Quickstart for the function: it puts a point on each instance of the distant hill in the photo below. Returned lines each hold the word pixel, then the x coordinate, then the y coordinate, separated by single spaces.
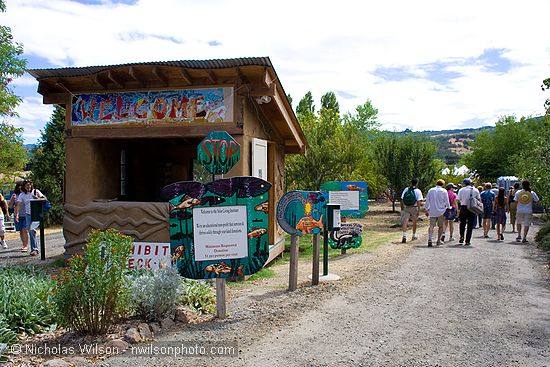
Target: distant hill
pixel 452 144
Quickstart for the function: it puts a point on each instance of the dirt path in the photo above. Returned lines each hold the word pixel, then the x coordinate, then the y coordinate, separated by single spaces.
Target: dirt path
pixel 403 305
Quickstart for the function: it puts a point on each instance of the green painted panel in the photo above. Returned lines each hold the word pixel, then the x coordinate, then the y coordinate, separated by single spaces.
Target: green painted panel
pixel 218 152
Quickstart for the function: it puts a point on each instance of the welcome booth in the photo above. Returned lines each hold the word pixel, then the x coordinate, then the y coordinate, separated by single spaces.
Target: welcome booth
pixel 132 129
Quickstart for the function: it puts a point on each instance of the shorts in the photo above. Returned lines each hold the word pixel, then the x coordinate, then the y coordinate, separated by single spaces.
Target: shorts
pixel 409 212
pixel 437 221
pixel 20 224
pixel 2 226
pixel 450 214
pixel 487 212
pixel 524 219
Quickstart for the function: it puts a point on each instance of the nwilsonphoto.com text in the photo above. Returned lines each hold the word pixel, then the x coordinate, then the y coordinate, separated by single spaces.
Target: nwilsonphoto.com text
pixel 164 349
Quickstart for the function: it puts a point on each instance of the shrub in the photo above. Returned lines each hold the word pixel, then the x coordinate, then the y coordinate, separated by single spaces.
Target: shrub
pixel 26 303
pixel 7 337
pixel 93 292
pixel 198 295
pixel 155 293
pixel 544 231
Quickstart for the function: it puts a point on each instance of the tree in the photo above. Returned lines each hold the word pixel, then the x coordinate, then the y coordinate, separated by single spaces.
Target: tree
pixel 11 66
pixel 12 153
pixel 329 102
pixel 365 118
pixel 400 158
pixel 48 164
pixel 494 153
pixel 546 86
pixel 305 105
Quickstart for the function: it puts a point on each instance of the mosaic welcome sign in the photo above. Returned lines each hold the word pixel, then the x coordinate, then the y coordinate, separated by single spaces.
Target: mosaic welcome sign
pixel 353 197
pixel 153 107
pixel 301 212
pixel 218 229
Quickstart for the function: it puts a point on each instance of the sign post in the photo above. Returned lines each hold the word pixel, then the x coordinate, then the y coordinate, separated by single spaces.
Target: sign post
pixel 37 215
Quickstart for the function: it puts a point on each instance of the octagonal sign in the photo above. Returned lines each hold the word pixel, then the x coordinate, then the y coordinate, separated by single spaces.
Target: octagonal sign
pixel 218 152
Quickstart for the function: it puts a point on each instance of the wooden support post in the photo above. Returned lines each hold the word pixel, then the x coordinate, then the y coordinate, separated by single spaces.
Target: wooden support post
pixel 316 250
pixel 221 309
pixel 293 273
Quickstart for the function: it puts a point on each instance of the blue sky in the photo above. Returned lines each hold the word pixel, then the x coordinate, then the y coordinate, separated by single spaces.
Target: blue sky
pixel 424 65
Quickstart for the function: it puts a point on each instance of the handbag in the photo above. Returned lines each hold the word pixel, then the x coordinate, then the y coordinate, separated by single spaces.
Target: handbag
pixel 474 205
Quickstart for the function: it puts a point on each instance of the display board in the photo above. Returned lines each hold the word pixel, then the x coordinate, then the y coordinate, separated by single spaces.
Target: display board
pixel 353 197
pixel 301 212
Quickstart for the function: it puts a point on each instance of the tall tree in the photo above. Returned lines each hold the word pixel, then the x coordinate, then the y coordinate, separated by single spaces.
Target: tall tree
pixel 546 86
pixel 12 153
pixel 401 158
pixel 329 102
pixel 11 66
pixel 306 105
pixel 494 153
pixel 365 117
pixel 48 164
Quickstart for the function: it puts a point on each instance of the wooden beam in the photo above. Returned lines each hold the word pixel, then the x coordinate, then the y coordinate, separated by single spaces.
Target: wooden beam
pixel 289 121
pixel 186 77
pixel 112 78
pixel 266 79
pixel 270 91
pixel 160 75
pixel 242 79
pixel 211 76
pixel 99 80
pixel 57 98
pixel 134 74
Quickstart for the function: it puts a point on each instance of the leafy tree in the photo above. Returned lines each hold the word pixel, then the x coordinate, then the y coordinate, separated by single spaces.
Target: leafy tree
pixel 11 66
pixel 48 164
pixel 494 152
pixel 329 102
pixel 534 163
pixel 12 153
pixel 402 157
pixel 306 105
pixel 546 86
pixel 365 118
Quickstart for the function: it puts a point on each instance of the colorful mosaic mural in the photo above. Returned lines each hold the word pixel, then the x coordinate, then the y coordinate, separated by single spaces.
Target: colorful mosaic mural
pixel 300 212
pixel 218 229
pixel 352 195
pixel 349 236
pixel 153 107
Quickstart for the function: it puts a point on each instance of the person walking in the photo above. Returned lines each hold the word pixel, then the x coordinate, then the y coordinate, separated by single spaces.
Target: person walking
pixel 437 203
pixel 466 216
pixel 4 212
pixel 411 201
pixel 524 216
pixel 19 221
pixel 500 207
pixel 450 214
pixel 24 205
pixel 512 204
pixel 487 198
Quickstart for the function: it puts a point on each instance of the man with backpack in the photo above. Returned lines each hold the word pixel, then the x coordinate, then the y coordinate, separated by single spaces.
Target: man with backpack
pixel 411 201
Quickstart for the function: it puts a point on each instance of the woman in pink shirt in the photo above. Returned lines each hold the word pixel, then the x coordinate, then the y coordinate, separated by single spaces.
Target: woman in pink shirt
pixel 450 214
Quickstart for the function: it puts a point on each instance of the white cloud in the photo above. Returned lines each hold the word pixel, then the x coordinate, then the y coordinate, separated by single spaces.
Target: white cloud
pixel 318 46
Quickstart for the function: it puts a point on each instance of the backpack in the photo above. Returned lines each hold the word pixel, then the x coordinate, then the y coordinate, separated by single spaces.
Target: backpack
pixel 409 198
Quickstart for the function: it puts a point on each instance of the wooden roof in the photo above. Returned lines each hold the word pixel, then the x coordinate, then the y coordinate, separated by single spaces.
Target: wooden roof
pixel 252 77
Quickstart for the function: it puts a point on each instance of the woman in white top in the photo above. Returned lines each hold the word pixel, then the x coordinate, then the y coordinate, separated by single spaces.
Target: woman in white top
pixel 20 225
pixel 24 205
pixel 524 212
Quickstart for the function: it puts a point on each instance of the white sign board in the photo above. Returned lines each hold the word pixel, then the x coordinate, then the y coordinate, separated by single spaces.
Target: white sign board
pixel 150 255
pixel 348 200
pixel 220 233
pixel 259 158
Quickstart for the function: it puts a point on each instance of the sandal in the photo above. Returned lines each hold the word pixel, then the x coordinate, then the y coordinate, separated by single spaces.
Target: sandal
pixel 24 249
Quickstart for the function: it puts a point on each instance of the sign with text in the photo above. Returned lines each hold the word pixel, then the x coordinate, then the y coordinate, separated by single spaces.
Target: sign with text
pixel 153 107
pixel 353 197
pixel 150 255
pixel 218 152
pixel 220 233
pixel 348 200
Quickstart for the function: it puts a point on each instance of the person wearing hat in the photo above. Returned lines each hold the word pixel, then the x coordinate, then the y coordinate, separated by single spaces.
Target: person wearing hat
pixel 525 199
pixel 450 214
pixel 437 203
pixel 466 216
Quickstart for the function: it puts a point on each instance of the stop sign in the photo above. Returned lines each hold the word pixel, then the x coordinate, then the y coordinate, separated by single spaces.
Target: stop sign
pixel 218 152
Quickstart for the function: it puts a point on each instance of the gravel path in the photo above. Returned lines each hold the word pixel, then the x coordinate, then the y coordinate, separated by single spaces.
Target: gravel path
pixel 404 305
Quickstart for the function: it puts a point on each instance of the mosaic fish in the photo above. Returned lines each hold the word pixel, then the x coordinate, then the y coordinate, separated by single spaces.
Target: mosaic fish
pixel 257 232
pixel 307 224
pixel 263 207
pixel 354 187
pixel 186 203
pixel 221 268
